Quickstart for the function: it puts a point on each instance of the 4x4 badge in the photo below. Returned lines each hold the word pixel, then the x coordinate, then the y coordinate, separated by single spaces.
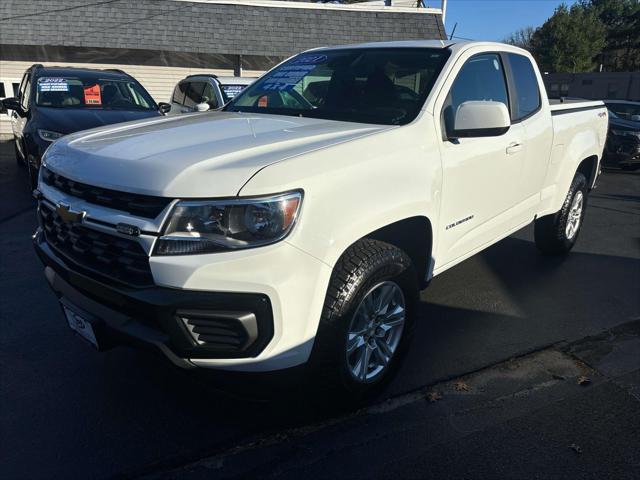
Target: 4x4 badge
pixel 67 215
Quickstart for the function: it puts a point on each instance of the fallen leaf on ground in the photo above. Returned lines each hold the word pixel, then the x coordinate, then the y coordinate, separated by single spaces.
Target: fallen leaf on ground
pixel 575 448
pixel 461 386
pixel 433 397
pixel 582 380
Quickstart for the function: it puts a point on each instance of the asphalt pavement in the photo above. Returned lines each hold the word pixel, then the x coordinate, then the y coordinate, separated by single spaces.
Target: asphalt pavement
pixel 67 411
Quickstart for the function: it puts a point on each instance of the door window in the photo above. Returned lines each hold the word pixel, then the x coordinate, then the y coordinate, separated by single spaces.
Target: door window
pixel 26 94
pixel 527 93
pixel 209 96
pixel 178 93
pixel 481 79
pixel 193 94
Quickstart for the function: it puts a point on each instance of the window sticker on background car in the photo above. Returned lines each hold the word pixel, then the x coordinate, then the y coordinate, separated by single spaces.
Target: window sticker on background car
pixel 288 76
pixel 51 84
pixel 263 101
pixel 92 95
pixel 232 90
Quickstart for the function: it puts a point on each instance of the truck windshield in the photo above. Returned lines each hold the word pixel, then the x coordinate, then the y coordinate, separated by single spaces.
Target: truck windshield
pixel 374 85
pixel 92 92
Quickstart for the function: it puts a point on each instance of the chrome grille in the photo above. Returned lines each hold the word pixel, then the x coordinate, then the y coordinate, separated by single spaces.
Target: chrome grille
pixel 116 258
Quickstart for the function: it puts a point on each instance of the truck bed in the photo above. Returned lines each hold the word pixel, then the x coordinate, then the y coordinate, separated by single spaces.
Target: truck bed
pixel 558 105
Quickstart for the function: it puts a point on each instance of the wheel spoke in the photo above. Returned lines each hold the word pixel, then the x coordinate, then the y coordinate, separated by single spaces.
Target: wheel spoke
pixel 355 342
pixel 382 346
pixel 382 357
pixel 386 294
pixel 365 357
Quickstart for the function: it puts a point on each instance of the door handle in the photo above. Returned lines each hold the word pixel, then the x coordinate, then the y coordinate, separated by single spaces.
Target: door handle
pixel 514 147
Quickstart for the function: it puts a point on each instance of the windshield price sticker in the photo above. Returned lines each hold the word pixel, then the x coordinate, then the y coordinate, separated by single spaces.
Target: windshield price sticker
pixel 92 95
pixel 312 59
pixel 232 90
pixel 287 77
pixel 50 84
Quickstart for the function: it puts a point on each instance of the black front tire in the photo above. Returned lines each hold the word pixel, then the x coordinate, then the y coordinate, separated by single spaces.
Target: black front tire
pixel 550 231
pixel 364 265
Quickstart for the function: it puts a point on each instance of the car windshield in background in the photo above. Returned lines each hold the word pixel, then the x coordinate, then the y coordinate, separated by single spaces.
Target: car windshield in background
pixel 378 85
pixel 230 91
pixel 627 111
pixel 92 92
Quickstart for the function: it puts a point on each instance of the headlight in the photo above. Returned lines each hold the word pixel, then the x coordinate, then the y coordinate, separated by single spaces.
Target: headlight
pixel 206 226
pixel 49 136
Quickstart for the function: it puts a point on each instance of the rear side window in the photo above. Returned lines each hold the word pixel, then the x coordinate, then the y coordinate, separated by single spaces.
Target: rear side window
pixel 193 94
pixel 527 92
pixel 480 79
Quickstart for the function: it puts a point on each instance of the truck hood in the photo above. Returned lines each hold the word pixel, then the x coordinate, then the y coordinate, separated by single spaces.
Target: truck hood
pixel 212 154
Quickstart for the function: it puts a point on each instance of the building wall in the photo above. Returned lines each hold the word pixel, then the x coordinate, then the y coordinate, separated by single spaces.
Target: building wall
pixel 596 86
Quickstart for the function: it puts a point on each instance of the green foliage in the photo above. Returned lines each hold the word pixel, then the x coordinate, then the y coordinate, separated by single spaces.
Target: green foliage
pixel 586 35
pixel 570 40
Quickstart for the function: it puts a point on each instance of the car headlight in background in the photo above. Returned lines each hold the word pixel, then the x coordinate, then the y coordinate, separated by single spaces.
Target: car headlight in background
pixel 206 226
pixel 49 136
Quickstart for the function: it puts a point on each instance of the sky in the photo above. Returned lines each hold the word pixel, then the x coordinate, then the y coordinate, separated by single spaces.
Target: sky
pixel 495 19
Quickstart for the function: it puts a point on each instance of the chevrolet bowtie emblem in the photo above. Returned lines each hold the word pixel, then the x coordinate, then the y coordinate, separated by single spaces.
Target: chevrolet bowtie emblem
pixel 67 215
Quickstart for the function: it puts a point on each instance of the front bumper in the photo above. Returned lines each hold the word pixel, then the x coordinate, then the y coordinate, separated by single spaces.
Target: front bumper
pixel 156 316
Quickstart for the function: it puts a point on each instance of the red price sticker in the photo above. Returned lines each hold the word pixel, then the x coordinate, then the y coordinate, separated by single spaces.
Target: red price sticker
pixel 92 95
pixel 263 101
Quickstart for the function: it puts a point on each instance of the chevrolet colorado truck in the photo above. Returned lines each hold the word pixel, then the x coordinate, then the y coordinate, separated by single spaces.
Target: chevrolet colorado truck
pixel 297 225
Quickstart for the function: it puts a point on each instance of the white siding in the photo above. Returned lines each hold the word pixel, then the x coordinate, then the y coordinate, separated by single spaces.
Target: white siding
pixel 159 81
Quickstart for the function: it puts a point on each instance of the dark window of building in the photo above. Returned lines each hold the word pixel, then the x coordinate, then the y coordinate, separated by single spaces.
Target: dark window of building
pixel 16 88
pixel 2 93
pixel 481 78
pixel 526 82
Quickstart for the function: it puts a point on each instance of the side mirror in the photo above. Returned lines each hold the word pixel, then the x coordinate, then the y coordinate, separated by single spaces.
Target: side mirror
pixel 481 119
pixel 164 108
pixel 635 118
pixel 12 103
pixel 202 107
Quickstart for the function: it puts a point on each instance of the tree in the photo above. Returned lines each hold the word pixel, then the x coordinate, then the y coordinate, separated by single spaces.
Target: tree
pixel 621 19
pixel 570 40
pixel 521 38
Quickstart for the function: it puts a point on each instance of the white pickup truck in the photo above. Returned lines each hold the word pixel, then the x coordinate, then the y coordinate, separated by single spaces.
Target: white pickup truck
pixel 298 225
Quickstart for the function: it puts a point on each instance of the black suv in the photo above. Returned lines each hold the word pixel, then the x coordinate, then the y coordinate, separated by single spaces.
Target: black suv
pixel 55 101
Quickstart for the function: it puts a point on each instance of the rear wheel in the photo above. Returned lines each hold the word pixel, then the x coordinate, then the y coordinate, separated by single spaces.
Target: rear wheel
pixel 366 323
pixel 557 234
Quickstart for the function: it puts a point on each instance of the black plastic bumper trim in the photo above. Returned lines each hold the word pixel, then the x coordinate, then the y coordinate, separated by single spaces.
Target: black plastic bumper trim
pixel 150 315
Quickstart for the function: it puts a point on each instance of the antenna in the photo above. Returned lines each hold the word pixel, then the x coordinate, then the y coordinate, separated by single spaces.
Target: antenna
pixel 453 31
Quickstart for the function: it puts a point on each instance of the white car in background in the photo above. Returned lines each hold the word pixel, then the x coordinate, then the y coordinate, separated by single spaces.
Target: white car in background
pixel 199 93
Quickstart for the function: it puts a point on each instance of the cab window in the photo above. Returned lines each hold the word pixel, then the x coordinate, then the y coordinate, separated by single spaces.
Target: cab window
pixel 527 95
pixel 480 79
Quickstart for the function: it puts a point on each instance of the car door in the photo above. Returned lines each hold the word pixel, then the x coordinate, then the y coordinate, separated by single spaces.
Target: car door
pixel 479 175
